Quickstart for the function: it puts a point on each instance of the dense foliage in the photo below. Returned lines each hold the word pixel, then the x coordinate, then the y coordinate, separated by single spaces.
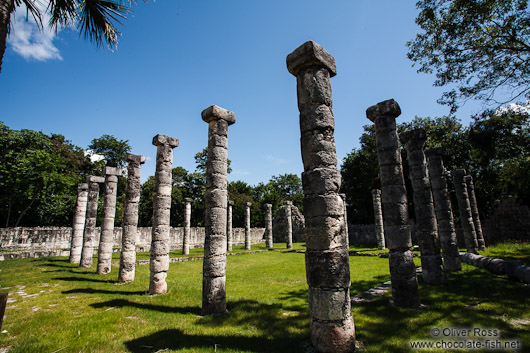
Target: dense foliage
pixel 38 177
pixel 481 47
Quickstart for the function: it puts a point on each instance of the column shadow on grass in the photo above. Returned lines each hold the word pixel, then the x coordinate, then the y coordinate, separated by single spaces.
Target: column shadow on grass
pixel 270 330
pixel 122 303
pixel 83 279
pixel 457 304
pixel 102 291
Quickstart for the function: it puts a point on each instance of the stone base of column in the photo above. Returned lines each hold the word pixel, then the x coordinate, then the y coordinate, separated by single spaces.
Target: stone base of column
pixel 127 264
pixel 214 296
pixel 157 283
pixel 451 259
pixel 333 336
pixel 432 269
pixel 403 277
pixel 75 259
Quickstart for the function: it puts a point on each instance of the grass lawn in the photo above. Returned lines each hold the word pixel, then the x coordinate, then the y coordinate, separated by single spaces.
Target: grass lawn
pixel 58 307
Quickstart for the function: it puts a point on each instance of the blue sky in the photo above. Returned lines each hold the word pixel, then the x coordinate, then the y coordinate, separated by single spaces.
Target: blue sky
pixel 176 58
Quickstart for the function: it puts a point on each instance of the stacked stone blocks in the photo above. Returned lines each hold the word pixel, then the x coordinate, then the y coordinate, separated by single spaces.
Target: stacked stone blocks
pixel 327 261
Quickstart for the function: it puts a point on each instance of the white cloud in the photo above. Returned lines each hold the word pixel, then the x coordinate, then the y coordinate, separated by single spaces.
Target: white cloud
pixel 515 108
pixel 27 40
pixel 94 157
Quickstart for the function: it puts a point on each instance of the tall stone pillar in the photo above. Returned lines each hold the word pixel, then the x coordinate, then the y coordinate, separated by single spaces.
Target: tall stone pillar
pixel 247 225
pixel 187 227
pixel 229 231
pixel 90 222
pixel 216 197
pixel 426 225
pixel 159 260
pixel 289 217
pixel 327 258
pixel 346 227
pixel 466 215
pixel 130 218
pixel 444 210
pixel 378 218
pixel 78 225
pixel 106 240
pixel 268 226
pixel 395 206
pixel 474 212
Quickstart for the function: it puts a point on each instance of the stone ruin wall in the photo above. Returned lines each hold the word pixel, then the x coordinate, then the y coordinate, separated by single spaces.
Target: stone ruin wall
pixel 48 238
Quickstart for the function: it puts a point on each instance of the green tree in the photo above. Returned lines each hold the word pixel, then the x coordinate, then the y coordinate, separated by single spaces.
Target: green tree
pixel 482 47
pixel 113 150
pixel 95 19
pixel 38 177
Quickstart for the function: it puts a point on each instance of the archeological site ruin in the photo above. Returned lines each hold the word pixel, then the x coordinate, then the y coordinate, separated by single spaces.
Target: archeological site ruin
pixel 322 226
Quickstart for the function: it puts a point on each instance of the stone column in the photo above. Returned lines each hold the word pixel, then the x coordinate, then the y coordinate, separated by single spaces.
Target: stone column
pixel 426 225
pixel 327 258
pixel 229 231
pixel 187 227
pixel 78 225
pixel 474 211
pixel 247 225
pixel 444 210
pixel 289 217
pixel 268 226
pixel 159 261
pixel 106 240
pixel 378 218
pixel 90 222
pixel 466 215
pixel 130 218
pixel 395 205
pixel 346 228
pixel 216 199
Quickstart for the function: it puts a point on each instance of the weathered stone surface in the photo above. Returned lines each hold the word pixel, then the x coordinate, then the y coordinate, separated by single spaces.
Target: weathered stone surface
pixel 474 212
pixel 280 227
pixel 215 113
pixel 329 305
pixel 159 261
pixel 510 266
pixel 330 230
pixel 229 231
pixel 107 223
pixel 247 225
pixel 310 54
pixel 90 223
pixel 403 276
pixel 466 216
pixel 268 226
pixel 330 337
pixel 346 231
pixel 216 202
pixel 394 199
pixel 327 258
pixel 95 179
pixel 444 210
pixel 325 269
pixel 78 226
pixel 187 227
pixel 320 181
pixel 378 219
pixel 386 109
pixel 289 241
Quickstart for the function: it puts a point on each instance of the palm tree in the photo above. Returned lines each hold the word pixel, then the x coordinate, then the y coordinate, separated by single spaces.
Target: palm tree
pixel 95 19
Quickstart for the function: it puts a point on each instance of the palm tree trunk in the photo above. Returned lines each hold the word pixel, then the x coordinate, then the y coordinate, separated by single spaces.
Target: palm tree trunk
pixel 6 8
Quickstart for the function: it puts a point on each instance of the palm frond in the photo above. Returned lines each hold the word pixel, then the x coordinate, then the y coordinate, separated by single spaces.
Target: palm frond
pixel 62 12
pixel 97 19
pixel 32 8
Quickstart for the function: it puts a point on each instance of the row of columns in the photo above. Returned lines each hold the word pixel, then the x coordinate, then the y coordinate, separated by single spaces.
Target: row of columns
pixel 435 225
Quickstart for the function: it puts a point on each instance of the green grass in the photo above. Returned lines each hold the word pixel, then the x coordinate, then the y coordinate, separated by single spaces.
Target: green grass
pixel 61 306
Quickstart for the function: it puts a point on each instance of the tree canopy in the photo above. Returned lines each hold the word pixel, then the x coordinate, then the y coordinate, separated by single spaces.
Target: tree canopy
pixel 113 150
pixel 482 47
